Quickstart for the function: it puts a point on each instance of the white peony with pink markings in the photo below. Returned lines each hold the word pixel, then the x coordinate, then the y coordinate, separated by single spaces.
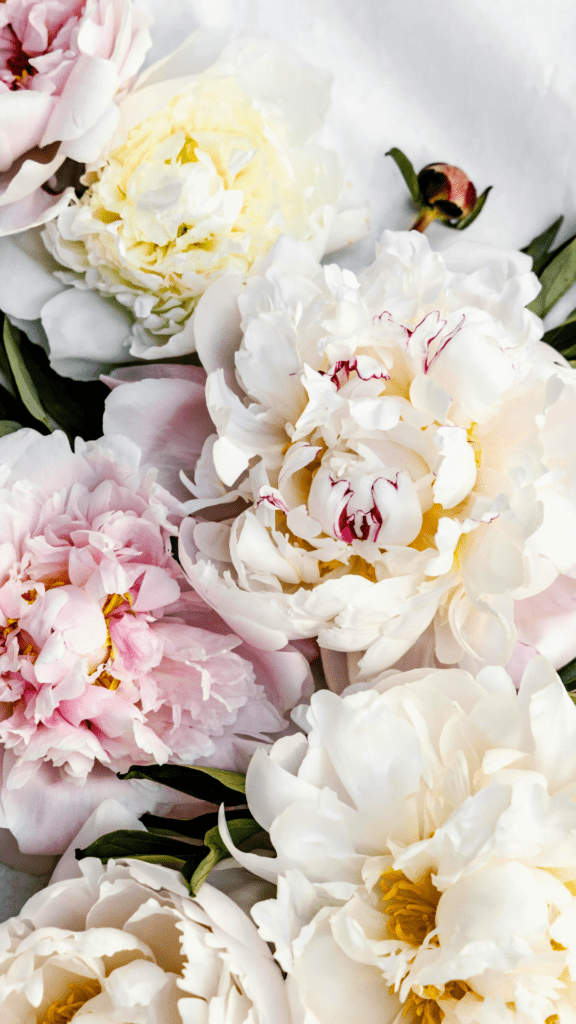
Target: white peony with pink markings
pixel 63 64
pixel 406 447
pixel 107 658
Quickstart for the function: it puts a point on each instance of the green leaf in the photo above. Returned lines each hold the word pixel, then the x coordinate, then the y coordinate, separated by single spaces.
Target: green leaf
pixel 556 279
pixel 563 337
pixel 210 784
pixel 8 427
pixel 408 173
pixel 539 246
pixel 76 406
pixel 142 845
pixel 192 828
pixel 4 364
pixel 240 830
pixel 466 221
pixel 231 780
pixel 22 378
pixel 568 674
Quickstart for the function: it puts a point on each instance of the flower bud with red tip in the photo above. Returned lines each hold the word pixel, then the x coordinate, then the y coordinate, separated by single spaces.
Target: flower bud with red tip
pixel 447 189
pixel 441 192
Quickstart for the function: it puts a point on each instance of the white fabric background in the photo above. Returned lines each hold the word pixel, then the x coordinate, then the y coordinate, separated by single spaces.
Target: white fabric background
pixel 488 85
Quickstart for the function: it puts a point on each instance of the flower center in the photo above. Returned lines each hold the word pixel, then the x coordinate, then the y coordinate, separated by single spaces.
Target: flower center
pixel 61 1011
pixel 113 602
pixel 411 909
pixel 14 59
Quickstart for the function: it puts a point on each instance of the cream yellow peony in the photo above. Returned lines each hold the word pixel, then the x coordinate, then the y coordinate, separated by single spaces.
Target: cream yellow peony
pixel 211 162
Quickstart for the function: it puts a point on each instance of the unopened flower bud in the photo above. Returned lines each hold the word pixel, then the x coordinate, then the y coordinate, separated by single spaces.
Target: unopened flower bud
pixel 441 192
pixel 447 189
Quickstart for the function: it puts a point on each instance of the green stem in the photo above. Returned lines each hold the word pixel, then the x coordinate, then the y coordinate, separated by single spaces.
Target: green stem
pixel 426 216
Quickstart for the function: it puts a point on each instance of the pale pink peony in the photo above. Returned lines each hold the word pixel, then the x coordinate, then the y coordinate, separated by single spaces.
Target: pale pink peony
pixel 63 65
pixel 107 657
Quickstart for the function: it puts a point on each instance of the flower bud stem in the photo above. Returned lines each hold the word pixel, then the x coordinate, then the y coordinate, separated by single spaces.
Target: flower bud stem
pixel 426 216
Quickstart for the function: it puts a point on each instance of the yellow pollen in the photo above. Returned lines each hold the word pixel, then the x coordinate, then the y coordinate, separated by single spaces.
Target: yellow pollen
pixel 114 601
pixel 426 1007
pixel 61 1012
pixel 410 906
pixel 411 911
pixel 105 679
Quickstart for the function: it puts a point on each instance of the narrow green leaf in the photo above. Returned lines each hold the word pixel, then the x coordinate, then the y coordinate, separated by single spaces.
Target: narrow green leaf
pixel 568 675
pixel 408 173
pixel 133 843
pixel 192 828
pixel 240 830
pixel 547 257
pixel 466 221
pixel 4 364
pixel 232 780
pixel 210 784
pixel 22 378
pixel 539 246
pixel 563 337
pixel 8 427
pixel 556 279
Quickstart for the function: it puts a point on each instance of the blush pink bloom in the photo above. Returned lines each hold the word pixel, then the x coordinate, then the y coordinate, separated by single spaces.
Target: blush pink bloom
pixel 63 66
pixel 107 657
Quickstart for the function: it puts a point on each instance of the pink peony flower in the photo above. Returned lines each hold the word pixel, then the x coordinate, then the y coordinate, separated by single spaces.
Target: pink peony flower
pixel 107 657
pixel 63 65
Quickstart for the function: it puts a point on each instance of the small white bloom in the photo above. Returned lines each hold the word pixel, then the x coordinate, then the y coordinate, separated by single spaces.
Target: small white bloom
pixel 406 447
pixel 425 851
pixel 126 943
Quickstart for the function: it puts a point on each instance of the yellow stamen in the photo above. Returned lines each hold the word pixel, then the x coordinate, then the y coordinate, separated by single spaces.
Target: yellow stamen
pixel 411 910
pixel 410 906
pixel 62 1011
pixel 114 601
pixel 426 1007
pixel 105 679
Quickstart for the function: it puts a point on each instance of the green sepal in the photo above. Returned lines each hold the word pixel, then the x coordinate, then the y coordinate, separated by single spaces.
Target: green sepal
pixel 466 221
pixel 141 845
pixel 408 173
pixel 211 784
pixel 556 278
pixel 22 379
pixel 240 829
pixel 568 675
pixel 539 247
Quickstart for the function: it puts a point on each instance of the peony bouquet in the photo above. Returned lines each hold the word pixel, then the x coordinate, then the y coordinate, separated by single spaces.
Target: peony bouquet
pixel 287 552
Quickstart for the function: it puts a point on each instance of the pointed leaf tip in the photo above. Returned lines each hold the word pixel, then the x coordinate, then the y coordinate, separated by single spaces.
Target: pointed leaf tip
pixel 408 173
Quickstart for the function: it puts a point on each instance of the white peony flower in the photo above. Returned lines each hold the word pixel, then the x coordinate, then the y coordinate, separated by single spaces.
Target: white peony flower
pixel 407 450
pixel 211 162
pixel 127 944
pixel 425 851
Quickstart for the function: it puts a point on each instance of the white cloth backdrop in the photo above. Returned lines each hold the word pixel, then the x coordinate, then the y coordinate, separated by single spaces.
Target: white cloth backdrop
pixel 488 85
